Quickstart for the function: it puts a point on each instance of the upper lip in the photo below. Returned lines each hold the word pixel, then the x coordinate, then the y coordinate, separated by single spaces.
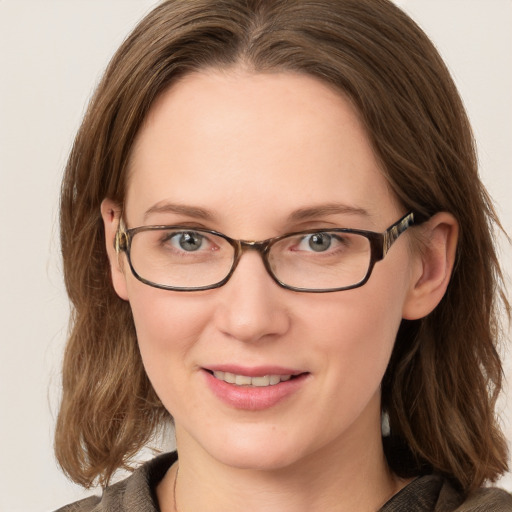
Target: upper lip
pixel 253 371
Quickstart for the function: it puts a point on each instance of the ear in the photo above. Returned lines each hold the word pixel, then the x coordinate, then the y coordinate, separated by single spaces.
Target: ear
pixel 433 264
pixel 111 214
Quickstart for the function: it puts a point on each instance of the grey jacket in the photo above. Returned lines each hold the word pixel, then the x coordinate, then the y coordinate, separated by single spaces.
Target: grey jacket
pixel 429 493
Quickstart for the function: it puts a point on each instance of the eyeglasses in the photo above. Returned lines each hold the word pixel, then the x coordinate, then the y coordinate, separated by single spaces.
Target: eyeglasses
pixel 182 258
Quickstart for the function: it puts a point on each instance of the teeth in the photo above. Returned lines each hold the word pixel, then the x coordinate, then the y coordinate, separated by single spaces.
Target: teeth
pixel 229 377
pixel 260 381
pixel 244 380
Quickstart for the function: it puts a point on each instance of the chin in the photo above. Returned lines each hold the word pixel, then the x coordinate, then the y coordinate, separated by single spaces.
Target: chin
pixel 265 451
pixel 257 459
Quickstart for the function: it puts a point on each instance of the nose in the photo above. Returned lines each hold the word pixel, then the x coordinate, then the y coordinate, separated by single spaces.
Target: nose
pixel 252 307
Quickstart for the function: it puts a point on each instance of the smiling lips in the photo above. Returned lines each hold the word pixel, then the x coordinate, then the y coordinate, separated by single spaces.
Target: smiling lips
pixel 263 389
pixel 245 380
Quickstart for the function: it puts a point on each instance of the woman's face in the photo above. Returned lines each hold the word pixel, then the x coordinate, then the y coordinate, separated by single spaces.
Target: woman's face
pixel 255 156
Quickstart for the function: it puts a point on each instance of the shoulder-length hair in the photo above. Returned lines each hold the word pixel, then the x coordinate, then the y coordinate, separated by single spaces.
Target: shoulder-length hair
pixel 445 373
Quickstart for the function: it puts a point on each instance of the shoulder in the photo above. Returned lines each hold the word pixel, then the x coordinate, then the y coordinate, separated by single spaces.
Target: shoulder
pixel 135 494
pixel 486 499
pixel 496 500
pixel 433 493
pixel 85 505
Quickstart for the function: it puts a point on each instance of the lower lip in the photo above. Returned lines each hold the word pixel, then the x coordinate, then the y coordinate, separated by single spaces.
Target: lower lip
pixel 253 398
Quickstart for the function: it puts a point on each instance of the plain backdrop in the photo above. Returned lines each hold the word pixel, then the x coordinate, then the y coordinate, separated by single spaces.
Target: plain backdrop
pixel 52 53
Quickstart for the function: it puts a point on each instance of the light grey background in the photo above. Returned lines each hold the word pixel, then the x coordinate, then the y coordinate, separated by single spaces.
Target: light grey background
pixel 52 53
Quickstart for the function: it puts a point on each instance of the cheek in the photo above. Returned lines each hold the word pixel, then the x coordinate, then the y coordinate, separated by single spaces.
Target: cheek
pixel 168 324
pixel 362 338
pixel 357 332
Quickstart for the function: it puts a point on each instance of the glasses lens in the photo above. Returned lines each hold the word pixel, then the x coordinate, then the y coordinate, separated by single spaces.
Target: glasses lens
pixel 321 260
pixel 181 258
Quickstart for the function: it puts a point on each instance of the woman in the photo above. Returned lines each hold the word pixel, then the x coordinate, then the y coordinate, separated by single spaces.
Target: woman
pixel 274 233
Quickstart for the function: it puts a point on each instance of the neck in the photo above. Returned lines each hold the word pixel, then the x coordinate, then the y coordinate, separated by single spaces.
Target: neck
pixel 351 477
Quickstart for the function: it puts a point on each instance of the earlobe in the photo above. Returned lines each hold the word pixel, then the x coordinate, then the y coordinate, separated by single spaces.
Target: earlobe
pixel 433 265
pixel 111 212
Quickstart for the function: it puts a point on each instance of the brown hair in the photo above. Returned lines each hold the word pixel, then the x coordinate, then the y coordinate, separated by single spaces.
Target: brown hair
pixel 445 372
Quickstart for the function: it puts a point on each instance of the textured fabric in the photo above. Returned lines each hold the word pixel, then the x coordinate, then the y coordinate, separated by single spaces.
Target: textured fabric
pixel 135 494
pixel 429 493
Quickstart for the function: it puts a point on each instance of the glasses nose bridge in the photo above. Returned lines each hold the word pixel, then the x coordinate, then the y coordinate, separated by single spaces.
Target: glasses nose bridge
pixel 253 245
pixel 260 247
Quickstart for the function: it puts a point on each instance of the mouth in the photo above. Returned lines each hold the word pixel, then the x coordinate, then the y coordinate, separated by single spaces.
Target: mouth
pixel 248 381
pixel 254 389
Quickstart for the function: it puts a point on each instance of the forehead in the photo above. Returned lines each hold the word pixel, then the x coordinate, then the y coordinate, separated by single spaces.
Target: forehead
pixel 254 146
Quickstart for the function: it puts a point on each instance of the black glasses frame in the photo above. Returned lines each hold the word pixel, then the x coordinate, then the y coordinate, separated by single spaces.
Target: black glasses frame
pixel 380 244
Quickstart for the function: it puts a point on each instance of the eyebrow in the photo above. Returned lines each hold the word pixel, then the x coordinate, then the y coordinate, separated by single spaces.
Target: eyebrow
pixel 301 214
pixel 181 209
pixel 313 212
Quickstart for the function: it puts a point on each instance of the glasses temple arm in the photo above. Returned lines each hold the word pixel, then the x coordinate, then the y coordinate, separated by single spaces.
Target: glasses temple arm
pixel 392 233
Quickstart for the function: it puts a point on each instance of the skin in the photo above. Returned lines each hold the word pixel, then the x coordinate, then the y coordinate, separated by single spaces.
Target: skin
pixel 251 149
